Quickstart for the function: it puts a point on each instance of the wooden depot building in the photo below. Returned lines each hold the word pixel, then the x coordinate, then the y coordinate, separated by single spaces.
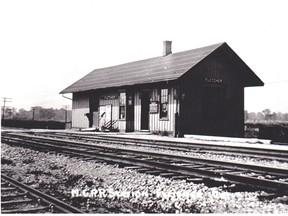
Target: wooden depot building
pixel 199 91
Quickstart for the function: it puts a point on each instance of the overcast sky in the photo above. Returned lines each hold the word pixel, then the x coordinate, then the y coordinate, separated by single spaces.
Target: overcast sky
pixel 47 45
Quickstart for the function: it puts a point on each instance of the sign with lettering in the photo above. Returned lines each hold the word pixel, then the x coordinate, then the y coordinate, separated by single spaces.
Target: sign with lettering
pixel 212 80
pixel 110 97
pixel 153 107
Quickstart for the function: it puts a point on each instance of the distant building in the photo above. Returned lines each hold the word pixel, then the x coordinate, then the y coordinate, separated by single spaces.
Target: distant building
pixel 199 91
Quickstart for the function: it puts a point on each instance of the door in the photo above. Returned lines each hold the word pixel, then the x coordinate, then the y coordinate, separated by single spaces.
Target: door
pixel 145 100
pixel 102 116
pixel 130 112
pixel 95 119
pixel 108 114
pixel 105 116
pixel 93 114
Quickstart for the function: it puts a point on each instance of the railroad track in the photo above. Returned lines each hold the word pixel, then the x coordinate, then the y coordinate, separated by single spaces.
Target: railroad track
pixel 257 153
pixel 17 197
pixel 193 169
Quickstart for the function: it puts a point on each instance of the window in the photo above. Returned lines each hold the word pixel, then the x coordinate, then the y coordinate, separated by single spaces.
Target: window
pixel 122 105
pixel 213 103
pixel 164 103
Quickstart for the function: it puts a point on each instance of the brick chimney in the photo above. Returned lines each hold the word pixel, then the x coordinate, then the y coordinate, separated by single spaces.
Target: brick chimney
pixel 167 48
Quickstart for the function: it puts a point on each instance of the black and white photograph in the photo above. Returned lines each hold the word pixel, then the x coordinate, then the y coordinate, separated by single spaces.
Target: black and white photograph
pixel 144 107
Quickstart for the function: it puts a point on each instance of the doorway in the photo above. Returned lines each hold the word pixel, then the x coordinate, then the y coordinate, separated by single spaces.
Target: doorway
pixel 93 114
pixel 145 100
pixel 105 116
pixel 130 112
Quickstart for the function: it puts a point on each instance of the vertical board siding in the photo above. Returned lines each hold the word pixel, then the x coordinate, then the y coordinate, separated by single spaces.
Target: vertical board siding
pixel 80 106
pixel 122 125
pixel 155 123
pixel 115 109
pixel 193 84
pixel 137 112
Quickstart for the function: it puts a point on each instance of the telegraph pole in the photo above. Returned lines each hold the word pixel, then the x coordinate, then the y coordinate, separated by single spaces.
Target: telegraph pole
pixel 66 111
pixel 33 113
pixel 5 100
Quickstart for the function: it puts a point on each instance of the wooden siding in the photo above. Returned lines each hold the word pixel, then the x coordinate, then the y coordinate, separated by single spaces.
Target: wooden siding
pixel 163 125
pixel 137 111
pixel 115 108
pixel 80 106
pixel 156 124
pixel 214 72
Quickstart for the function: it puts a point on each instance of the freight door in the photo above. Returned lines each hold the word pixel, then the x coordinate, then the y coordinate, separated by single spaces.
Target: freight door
pixel 102 116
pixel 108 119
pixel 145 100
pixel 105 116
pixel 95 119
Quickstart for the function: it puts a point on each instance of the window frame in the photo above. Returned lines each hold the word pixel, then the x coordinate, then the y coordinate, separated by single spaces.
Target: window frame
pixel 122 105
pixel 164 101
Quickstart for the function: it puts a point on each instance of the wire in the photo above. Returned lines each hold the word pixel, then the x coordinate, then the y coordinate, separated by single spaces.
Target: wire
pixel 277 82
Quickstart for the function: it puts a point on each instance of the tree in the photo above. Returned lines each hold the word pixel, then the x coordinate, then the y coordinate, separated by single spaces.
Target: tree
pixel 246 117
pixel 267 114
pixel 23 114
pixel 273 116
pixel 38 113
pixel 46 114
pixel 252 116
pixel 260 116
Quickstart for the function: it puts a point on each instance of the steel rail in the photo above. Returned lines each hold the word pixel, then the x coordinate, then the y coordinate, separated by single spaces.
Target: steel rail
pixel 171 157
pixel 49 200
pixel 120 156
pixel 271 154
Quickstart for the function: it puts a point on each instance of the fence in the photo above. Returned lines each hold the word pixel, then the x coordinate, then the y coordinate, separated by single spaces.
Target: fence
pixel 29 124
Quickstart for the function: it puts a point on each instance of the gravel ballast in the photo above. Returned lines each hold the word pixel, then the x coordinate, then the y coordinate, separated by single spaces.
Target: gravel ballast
pixel 212 156
pixel 118 190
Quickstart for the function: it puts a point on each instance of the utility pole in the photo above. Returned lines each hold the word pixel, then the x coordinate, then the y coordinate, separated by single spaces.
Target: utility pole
pixel 33 113
pixel 66 112
pixel 5 100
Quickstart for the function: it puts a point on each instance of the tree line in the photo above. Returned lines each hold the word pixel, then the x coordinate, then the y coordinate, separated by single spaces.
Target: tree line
pixel 38 113
pixel 265 116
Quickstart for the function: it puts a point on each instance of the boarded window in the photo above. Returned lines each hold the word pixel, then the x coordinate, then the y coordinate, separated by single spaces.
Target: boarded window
pixel 164 103
pixel 122 105
pixel 213 103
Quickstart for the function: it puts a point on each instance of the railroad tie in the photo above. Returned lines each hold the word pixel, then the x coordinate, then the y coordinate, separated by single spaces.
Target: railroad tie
pixel 155 172
pixel 7 189
pixel 15 202
pixel 26 210
pixel 132 167
pixel 167 174
pixel 195 180
pixel 180 177
pixel 11 196
pixel 143 170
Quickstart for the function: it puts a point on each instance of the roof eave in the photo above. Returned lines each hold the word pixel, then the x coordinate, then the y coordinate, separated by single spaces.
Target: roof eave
pixel 66 91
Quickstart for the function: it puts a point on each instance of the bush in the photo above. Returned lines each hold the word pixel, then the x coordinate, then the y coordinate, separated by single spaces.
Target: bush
pixel 32 124
pixel 277 132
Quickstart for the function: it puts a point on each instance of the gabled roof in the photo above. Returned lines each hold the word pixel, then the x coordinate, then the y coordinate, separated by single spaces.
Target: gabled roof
pixel 153 70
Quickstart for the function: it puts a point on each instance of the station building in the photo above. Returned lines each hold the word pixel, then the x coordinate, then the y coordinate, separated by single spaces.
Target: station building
pixel 199 91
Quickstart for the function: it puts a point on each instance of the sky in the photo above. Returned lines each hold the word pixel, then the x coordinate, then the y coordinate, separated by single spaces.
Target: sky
pixel 46 45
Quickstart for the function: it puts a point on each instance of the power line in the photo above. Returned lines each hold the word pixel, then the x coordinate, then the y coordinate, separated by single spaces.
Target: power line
pixel 276 82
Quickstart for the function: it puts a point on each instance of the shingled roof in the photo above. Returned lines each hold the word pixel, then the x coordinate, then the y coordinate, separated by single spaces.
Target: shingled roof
pixel 153 70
